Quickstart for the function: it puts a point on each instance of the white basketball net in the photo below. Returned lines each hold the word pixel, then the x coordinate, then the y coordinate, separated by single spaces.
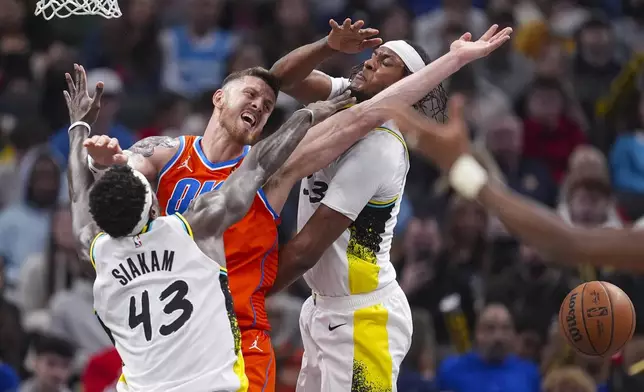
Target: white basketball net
pixel 65 8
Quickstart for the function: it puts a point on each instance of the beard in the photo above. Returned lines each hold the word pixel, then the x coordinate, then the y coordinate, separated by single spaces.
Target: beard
pixel 360 95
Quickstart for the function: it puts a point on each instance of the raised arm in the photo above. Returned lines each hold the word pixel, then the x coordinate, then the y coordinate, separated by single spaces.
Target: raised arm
pixel 83 111
pixel 531 222
pixel 212 213
pixel 296 69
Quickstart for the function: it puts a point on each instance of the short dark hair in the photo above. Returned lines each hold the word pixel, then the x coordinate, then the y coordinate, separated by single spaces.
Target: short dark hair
pixel 116 201
pixel 46 344
pixel 258 72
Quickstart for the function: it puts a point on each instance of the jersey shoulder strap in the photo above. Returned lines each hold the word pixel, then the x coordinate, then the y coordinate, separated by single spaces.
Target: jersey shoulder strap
pixel 179 223
pixel 92 248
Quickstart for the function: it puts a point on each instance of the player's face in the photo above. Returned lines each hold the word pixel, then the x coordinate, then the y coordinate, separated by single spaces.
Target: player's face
pixel 244 107
pixel 383 69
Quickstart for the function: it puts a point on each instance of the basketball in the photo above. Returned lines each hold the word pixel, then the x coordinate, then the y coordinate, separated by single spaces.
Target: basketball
pixel 597 318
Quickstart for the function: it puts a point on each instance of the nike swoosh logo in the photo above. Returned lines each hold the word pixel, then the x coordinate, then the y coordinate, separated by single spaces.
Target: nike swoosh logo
pixel 335 326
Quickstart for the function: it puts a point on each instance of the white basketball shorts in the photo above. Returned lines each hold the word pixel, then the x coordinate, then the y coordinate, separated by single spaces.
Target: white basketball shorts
pixel 354 343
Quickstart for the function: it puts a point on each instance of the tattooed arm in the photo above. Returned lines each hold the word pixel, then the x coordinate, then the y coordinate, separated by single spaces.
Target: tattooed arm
pixel 147 156
pixel 212 213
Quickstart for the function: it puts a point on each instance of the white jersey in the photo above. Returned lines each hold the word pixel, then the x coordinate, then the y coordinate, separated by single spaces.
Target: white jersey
pixel 366 185
pixel 168 310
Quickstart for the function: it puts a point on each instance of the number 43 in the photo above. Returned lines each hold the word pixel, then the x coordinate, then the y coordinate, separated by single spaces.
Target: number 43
pixel 179 302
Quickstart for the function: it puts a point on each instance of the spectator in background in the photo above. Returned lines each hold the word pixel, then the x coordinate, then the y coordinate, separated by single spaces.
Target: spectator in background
pixel 587 197
pixel 129 45
pixel 594 69
pixel 457 268
pixel 430 26
pixel 195 54
pixel 504 140
pixel 52 365
pixel 19 137
pixel 45 273
pixel 549 134
pixel 25 225
pixel 417 370
pixel 568 379
pixel 491 366
pixel 421 246
pixel 247 55
pixel 73 318
pixel 530 289
pixel 12 338
pixel 15 48
pixel 292 30
pixel 629 29
pixel 627 163
pixel 106 123
pixel 169 116
pixel 396 24
pixel 506 68
pixel 9 380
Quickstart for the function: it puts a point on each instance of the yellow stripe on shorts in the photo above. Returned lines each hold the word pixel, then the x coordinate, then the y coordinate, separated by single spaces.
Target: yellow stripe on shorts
pixel 372 364
pixel 239 368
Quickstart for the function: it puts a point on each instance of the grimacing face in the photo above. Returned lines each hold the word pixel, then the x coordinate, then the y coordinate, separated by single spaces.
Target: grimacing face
pixel 383 69
pixel 244 106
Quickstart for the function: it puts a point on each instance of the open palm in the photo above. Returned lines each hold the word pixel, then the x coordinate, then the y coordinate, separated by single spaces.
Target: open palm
pixel 490 41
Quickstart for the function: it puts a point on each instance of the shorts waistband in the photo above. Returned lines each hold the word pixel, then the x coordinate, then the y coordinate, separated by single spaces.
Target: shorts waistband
pixel 355 301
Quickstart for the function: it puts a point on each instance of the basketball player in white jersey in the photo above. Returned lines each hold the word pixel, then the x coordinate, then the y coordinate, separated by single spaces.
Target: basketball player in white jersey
pixel 161 289
pixel 356 327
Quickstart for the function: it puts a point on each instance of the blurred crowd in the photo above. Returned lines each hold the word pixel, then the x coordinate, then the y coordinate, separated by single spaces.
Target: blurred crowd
pixel 558 114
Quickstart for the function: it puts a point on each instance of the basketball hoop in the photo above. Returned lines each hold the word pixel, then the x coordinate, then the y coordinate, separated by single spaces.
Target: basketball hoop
pixel 66 8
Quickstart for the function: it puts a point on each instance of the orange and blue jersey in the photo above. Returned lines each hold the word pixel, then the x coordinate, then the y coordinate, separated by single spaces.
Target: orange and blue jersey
pixel 250 244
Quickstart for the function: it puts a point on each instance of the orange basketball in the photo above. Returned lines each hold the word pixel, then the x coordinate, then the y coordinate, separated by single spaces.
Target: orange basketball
pixel 597 318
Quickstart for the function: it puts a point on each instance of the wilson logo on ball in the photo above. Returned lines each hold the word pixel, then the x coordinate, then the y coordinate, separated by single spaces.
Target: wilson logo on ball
pixel 571 320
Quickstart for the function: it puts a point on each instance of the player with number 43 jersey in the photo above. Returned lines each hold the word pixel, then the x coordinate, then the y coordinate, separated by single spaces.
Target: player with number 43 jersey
pixel 161 287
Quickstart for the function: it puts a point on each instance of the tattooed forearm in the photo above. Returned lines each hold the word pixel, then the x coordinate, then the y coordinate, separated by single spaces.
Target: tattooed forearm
pixel 146 146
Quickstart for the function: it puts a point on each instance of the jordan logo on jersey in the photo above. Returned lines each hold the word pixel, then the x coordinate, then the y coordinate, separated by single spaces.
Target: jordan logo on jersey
pixel 255 346
pixel 185 165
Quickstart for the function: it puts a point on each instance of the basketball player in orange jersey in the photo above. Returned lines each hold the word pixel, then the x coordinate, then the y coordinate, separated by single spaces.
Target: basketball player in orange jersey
pixel 449 146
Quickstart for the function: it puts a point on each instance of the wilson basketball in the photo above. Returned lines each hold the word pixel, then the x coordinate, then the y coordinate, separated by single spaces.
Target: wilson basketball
pixel 597 318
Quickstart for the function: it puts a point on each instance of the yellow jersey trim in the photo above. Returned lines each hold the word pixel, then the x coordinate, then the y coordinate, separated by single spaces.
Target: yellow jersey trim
pixel 185 224
pixel 397 136
pixel 382 204
pixel 91 248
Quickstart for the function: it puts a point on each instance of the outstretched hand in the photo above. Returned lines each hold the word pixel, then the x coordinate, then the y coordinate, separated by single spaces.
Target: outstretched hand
pixel 441 143
pixel 469 51
pixel 325 109
pixel 352 38
pixel 82 106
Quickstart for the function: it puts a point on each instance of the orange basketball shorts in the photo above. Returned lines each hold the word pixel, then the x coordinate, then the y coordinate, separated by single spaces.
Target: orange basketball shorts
pixel 259 358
